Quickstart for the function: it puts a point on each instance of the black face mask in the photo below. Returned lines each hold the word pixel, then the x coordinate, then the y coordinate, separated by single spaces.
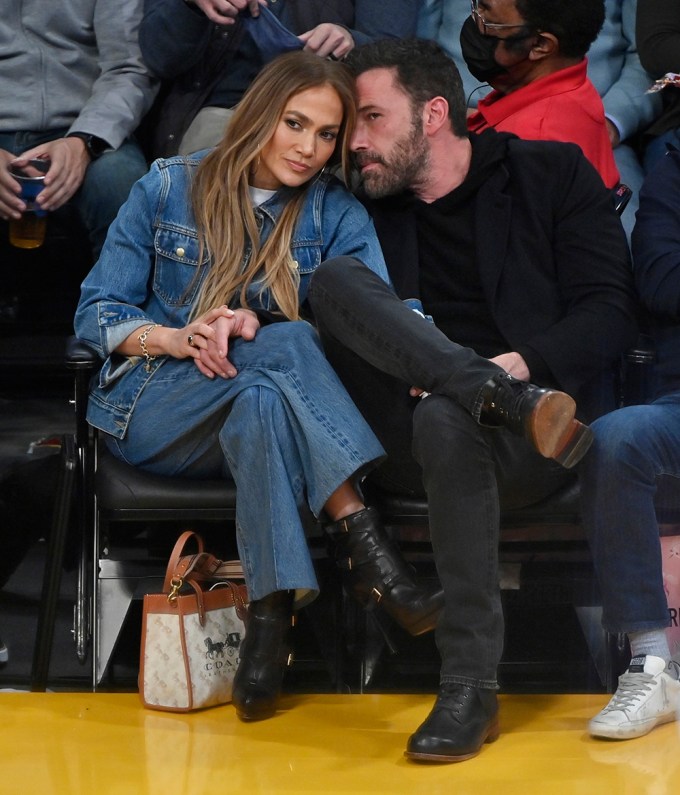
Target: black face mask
pixel 478 52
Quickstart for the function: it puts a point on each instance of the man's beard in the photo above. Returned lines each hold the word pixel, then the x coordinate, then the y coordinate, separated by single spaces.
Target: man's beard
pixel 403 169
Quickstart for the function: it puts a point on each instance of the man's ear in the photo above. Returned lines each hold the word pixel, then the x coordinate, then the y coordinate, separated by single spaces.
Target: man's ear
pixel 546 45
pixel 435 115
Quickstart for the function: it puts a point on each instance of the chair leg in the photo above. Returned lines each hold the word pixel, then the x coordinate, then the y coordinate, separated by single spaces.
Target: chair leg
pixel 53 565
pixel 114 597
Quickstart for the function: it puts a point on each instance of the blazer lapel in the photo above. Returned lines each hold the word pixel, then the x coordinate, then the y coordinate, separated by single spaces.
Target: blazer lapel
pixel 492 229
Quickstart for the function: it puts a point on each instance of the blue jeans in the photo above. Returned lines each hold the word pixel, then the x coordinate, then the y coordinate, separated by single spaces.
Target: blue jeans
pixel 284 429
pixel 106 185
pixel 435 446
pixel 632 447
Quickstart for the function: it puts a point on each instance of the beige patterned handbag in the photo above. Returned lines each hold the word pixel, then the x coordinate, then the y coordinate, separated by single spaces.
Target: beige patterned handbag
pixel 192 632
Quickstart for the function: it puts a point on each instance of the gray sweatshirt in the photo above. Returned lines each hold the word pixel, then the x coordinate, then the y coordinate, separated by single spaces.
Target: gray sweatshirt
pixel 73 64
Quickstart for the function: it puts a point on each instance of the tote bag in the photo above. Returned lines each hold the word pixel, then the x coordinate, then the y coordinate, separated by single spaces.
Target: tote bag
pixel 192 632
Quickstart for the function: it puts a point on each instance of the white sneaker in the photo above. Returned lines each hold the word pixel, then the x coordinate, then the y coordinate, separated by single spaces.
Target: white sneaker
pixel 647 696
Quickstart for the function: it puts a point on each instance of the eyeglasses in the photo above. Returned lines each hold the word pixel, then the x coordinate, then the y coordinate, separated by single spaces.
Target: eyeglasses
pixel 485 26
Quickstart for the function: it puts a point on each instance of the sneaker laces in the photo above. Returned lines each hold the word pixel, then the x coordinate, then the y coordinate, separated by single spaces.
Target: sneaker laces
pixel 632 687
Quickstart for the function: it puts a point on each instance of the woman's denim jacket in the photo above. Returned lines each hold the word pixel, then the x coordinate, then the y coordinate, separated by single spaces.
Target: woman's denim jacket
pixel 150 260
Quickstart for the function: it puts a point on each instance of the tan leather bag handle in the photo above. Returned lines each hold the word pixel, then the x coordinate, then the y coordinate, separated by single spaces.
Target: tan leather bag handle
pixel 200 566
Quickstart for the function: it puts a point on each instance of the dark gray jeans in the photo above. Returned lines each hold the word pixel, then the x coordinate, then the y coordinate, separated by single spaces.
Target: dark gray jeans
pixel 435 447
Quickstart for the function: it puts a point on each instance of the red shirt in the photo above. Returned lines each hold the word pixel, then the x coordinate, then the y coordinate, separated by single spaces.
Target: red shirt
pixel 563 106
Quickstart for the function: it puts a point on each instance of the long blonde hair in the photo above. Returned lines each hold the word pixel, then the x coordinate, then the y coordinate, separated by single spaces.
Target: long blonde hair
pixel 226 223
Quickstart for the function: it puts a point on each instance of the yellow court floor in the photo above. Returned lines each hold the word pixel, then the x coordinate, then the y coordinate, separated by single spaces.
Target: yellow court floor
pixel 101 744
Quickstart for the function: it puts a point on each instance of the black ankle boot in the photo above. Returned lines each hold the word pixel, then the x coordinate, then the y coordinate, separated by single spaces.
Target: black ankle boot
pixel 264 656
pixel 545 417
pixel 375 572
pixel 462 720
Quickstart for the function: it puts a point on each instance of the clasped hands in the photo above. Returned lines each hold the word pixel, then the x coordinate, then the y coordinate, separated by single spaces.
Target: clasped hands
pixel 206 339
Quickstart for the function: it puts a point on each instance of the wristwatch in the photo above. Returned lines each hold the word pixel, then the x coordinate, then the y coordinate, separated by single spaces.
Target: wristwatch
pixel 95 146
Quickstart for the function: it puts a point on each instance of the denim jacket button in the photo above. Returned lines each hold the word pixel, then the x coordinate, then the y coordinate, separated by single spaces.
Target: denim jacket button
pixel 296 264
pixel 180 252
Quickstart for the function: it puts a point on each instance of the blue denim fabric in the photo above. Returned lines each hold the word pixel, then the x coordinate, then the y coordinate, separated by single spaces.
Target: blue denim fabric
pixel 150 259
pixel 270 35
pixel 284 428
pixel 106 185
pixel 632 447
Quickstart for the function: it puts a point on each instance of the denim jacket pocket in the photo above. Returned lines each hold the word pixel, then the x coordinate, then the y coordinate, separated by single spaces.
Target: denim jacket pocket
pixel 177 276
pixel 306 259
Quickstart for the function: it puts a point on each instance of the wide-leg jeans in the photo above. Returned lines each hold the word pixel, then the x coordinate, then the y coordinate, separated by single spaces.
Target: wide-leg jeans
pixel 435 446
pixel 633 447
pixel 284 428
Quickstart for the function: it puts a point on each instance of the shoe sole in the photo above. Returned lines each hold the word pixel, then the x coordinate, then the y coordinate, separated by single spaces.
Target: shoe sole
pixel 554 431
pixel 631 731
pixel 252 717
pixel 491 737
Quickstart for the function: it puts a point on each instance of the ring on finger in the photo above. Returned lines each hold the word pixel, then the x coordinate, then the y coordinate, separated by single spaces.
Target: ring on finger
pixel 190 340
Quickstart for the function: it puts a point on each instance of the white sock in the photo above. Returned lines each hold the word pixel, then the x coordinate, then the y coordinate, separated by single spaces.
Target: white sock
pixel 652 641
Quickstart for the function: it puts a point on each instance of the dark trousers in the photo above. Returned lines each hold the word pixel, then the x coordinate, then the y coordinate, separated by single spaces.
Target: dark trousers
pixel 436 447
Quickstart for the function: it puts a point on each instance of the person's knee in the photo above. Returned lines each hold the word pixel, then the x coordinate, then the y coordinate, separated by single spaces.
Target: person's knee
pixel 619 439
pixel 441 429
pixel 334 272
pixel 109 179
pixel 298 340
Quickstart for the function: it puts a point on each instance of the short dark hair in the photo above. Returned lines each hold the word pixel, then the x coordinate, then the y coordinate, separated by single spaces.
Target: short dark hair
pixel 575 23
pixel 423 71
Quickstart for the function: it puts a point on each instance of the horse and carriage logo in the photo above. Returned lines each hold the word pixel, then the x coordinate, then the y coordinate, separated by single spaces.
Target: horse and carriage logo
pixel 223 650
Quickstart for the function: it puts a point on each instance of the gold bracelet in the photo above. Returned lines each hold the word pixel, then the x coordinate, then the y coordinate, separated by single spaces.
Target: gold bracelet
pixel 142 344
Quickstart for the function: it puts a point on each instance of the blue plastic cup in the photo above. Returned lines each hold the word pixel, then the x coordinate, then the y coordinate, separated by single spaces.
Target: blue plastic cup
pixel 29 230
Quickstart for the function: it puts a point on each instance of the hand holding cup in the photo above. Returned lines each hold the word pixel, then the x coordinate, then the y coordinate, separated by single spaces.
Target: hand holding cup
pixel 29 230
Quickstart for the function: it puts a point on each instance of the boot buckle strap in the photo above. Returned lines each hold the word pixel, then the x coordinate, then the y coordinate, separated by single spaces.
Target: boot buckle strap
pixel 342 525
pixel 376 594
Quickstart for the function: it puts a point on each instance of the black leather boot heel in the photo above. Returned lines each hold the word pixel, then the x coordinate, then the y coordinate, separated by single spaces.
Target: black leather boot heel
pixel 374 572
pixel 264 656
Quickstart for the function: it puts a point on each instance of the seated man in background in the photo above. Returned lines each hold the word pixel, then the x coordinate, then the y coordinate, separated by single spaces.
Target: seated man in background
pixel 533 54
pixel 208 55
pixel 614 68
pixel 514 250
pixel 633 447
pixel 73 89
pixel 658 34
